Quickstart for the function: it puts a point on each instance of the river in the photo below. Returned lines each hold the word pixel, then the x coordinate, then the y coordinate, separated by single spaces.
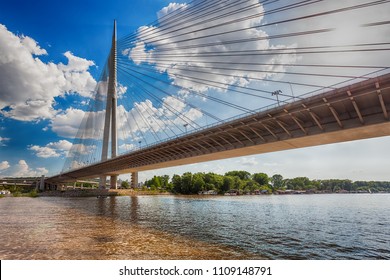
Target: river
pixel 326 226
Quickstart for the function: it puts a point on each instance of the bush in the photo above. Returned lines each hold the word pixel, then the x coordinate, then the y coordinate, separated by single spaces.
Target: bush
pixel 17 194
pixel 33 193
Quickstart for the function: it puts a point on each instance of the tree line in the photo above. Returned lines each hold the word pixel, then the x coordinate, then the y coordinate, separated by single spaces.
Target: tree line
pixel 244 182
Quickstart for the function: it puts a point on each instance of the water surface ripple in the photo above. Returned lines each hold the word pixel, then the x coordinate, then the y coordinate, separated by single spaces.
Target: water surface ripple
pixel 347 226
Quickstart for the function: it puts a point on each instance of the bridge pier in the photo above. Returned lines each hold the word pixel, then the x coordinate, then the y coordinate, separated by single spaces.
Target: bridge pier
pixel 102 182
pixel 42 183
pixel 134 180
pixel 113 182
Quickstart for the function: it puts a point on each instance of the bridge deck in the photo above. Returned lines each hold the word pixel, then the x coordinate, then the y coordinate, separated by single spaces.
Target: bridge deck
pixel 358 111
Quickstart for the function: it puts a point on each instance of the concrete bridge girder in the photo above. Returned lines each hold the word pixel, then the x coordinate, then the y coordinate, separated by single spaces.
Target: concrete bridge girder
pixel 354 112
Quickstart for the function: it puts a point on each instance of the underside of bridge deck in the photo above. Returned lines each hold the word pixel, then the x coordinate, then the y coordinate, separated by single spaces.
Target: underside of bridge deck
pixel 358 111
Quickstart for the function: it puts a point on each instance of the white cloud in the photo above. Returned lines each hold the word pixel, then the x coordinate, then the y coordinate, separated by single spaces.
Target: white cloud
pixel 23 170
pixel 138 53
pixel 75 164
pixel 32 46
pixel 62 145
pixel 44 152
pixel 248 161
pixel 81 149
pixel 120 90
pixel 171 8
pixel 4 165
pixel 52 150
pixel 78 79
pixel 199 34
pixel 2 140
pixel 31 110
pixel 30 85
pixel 172 105
pixel 67 123
pixel 126 147
pixel 143 117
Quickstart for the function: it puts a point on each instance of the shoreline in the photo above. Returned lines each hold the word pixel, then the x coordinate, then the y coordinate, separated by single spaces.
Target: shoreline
pixel 128 192
pixel 97 193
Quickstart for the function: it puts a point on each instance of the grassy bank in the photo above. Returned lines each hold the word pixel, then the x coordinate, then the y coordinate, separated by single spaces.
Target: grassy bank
pixel 32 193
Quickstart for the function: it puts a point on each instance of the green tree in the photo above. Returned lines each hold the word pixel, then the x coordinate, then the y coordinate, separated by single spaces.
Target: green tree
pixel 243 175
pixel 277 182
pixel 154 183
pixel 228 184
pixel 250 186
pixel 298 183
pixel 238 183
pixel 164 181
pixel 186 183
pixel 261 178
pixel 213 181
pixel 176 183
pixel 125 185
pixel 198 183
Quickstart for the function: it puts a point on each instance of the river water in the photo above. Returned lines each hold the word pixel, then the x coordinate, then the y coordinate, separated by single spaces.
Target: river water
pixel 334 226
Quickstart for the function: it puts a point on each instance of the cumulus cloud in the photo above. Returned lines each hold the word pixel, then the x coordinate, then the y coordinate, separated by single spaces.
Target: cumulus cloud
pixel 44 152
pixel 4 165
pixel 146 117
pixel 120 90
pixel 67 123
pixel 171 8
pixel 22 169
pixel 30 85
pixel 53 149
pixel 180 51
pixel 81 150
pixel 172 103
pixel 32 46
pixel 143 117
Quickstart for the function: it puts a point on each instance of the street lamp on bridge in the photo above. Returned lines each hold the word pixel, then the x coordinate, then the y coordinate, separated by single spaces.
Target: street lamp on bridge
pixel 276 93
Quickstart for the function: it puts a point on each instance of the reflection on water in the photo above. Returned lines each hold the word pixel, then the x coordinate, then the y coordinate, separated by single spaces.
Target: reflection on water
pixel 168 227
pixel 92 228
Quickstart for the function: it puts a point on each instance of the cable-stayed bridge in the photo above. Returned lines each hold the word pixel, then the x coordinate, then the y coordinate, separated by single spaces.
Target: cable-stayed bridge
pixel 219 79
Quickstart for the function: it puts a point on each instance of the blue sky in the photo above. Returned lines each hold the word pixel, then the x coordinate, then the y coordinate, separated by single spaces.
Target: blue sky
pixel 83 28
pixel 72 40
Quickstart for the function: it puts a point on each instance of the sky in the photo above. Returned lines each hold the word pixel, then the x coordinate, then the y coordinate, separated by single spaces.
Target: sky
pixel 52 55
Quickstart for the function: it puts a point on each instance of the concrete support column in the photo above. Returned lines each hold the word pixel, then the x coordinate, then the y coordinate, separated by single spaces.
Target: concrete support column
pixel 113 182
pixel 42 183
pixel 134 179
pixel 102 182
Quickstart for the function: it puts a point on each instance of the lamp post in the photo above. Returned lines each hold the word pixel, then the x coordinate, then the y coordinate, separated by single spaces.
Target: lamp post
pixel 276 93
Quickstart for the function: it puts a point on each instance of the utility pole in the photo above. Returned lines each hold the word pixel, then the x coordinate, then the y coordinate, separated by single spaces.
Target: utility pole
pixel 110 117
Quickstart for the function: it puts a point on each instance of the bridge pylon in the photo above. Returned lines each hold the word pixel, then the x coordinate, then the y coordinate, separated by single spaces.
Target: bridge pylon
pixel 110 116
